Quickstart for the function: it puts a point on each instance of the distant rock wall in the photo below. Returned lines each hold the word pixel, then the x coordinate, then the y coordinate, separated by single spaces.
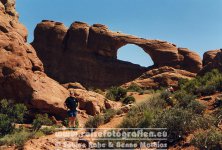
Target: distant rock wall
pixel 88 54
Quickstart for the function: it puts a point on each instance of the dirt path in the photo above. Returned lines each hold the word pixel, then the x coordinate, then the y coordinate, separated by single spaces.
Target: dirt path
pixel 49 142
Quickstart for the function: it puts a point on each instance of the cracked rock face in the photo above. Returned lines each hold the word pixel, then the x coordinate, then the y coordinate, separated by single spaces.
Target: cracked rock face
pixel 88 54
pixel 22 76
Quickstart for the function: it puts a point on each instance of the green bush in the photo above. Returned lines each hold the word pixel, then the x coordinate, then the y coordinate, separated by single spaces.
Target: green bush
pixel 10 113
pixel 196 107
pixel 139 115
pixel 109 114
pixel 41 120
pixel 180 122
pixel 95 121
pixel 205 90
pixel 183 99
pixel 134 88
pixel 154 102
pixel 116 93
pixel 147 119
pixel 208 140
pixel 5 124
pixel 128 100
pixel 205 85
pixel 66 122
pixel 176 121
pixel 17 138
pixel 48 130
pixel 167 96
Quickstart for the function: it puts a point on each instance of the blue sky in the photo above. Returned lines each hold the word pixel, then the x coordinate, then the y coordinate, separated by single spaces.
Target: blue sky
pixel 195 24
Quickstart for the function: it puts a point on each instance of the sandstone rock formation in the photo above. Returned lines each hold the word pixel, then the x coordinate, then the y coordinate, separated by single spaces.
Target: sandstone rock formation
pixel 160 77
pixel 211 60
pixel 74 85
pixel 21 72
pixel 88 54
pixel 94 103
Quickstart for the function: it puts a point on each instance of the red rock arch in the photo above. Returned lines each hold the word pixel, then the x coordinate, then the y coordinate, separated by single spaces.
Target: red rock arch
pixel 135 55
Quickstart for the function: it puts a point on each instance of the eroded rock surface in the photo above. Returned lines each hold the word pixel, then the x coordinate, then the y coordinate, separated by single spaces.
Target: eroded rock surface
pixel 88 54
pixel 161 77
pixel 22 76
pixel 211 60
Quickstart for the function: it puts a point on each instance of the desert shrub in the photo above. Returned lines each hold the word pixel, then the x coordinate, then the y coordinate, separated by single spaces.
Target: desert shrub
pixel 147 119
pixel 134 88
pixel 17 138
pixel 41 120
pixel 109 114
pixel 95 121
pixel 154 102
pixel 218 83
pixel 140 115
pixel 128 100
pixel 151 91
pixel 205 85
pixel 16 112
pixel 10 113
pixel 116 93
pixel 48 130
pixel 131 121
pixel 66 122
pixel 176 121
pixel 180 122
pixel 5 124
pixel 205 90
pixel 196 107
pixel 208 140
pixel 183 99
pixel 167 96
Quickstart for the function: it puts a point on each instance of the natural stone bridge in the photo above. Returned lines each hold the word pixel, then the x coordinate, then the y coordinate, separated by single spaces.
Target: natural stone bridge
pixel 88 54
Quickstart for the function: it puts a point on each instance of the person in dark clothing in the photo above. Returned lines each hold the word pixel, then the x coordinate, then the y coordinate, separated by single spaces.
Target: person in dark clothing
pixel 71 103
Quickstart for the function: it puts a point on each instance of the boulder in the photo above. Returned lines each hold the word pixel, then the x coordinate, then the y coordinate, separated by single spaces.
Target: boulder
pixel 211 60
pixel 74 85
pixel 160 77
pixel 94 103
pixel 88 54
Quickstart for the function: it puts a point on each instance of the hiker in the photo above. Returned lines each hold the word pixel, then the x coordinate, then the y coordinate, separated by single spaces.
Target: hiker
pixel 71 104
pixel 170 89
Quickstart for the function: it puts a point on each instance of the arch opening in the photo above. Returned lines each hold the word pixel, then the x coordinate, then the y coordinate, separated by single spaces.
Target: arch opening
pixel 134 54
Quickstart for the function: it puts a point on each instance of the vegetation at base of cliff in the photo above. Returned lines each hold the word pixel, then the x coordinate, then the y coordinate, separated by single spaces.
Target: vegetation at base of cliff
pixel 181 113
pixel 120 94
pixel 208 84
pixel 12 114
pixel 41 120
pixel 116 93
pixel 210 139
pixel 128 100
pixel 135 88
